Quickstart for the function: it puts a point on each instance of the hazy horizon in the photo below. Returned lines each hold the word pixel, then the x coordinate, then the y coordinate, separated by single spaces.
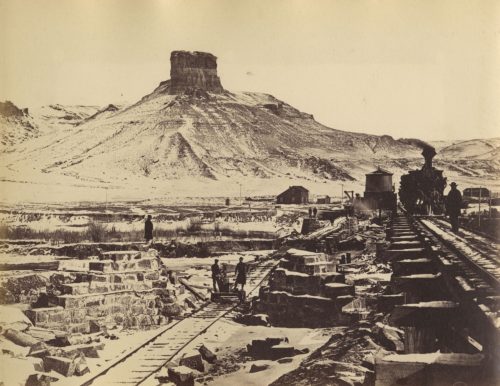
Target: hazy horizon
pixel 426 70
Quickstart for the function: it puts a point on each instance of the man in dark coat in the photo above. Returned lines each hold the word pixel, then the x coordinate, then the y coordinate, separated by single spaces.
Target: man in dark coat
pixel 241 274
pixel 216 275
pixel 453 206
pixel 148 230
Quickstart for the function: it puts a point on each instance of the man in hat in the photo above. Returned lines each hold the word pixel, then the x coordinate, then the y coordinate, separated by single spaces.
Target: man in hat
pixel 148 230
pixel 216 275
pixel 453 206
pixel 241 274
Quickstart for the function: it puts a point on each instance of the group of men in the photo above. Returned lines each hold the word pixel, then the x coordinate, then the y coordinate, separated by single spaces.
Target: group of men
pixel 217 273
pixel 218 276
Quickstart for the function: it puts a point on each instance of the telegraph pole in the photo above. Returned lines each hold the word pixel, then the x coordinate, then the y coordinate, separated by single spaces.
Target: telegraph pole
pixel 489 204
pixel 479 218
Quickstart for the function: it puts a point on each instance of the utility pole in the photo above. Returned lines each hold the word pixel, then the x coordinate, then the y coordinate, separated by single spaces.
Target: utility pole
pixel 479 218
pixel 489 204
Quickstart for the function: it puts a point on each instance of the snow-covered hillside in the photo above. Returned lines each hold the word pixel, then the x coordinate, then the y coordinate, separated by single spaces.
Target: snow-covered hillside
pixel 473 149
pixel 185 135
pixel 218 136
pixel 59 117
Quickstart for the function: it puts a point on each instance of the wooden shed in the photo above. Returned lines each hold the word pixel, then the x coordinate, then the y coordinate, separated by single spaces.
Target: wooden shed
pixel 294 195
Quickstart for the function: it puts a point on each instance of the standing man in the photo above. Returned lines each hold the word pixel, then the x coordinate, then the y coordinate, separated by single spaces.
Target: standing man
pixel 241 274
pixel 453 206
pixel 216 275
pixel 148 230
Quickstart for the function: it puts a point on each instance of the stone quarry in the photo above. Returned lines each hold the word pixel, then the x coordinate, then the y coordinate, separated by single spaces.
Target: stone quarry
pixel 85 302
pixel 369 293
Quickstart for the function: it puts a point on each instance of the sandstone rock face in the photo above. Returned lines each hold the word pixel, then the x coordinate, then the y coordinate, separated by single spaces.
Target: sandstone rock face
pixel 9 109
pixel 191 71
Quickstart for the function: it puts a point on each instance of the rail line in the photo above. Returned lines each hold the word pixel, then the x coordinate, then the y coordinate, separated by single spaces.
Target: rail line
pixel 142 363
pixel 466 269
pixel 479 253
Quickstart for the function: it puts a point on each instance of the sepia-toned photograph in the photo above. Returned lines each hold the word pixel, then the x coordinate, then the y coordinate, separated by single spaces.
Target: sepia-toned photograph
pixel 249 192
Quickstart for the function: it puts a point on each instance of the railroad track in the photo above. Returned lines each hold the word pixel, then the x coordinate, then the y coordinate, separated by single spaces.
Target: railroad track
pixel 478 252
pixel 465 269
pixel 141 364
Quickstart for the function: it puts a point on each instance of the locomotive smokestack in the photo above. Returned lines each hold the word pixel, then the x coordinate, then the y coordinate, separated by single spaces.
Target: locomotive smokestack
pixel 428 154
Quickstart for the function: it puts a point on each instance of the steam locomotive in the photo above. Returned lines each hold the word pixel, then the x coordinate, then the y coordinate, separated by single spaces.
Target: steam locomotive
pixel 421 191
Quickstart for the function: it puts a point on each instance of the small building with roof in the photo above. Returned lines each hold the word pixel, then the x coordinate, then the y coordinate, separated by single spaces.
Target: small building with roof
pixel 293 195
pixel 324 200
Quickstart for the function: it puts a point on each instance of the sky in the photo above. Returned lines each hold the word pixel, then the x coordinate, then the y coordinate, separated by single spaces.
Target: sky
pixel 428 69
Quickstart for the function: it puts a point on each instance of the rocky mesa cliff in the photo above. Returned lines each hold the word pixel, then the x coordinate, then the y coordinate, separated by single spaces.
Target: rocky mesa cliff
pixel 192 73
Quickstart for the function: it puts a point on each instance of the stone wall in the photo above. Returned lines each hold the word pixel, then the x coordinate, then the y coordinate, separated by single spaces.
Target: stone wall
pixel 122 287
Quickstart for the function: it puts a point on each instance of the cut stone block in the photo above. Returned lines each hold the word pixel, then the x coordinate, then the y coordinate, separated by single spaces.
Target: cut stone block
pixel 81 367
pixel 120 255
pixel 258 367
pixel 208 353
pixel 79 328
pixel 154 275
pixel 39 350
pixel 163 378
pixel 281 350
pixel 181 375
pixel 285 360
pixel 270 348
pixel 254 320
pixel 75 339
pixel 20 338
pixel 101 266
pixel 40 380
pixel 75 288
pixel 41 315
pixel 193 360
pixel 86 350
pixel 44 334
pixel 38 365
pixel 432 369
pixel 334 290
pixel 63 366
